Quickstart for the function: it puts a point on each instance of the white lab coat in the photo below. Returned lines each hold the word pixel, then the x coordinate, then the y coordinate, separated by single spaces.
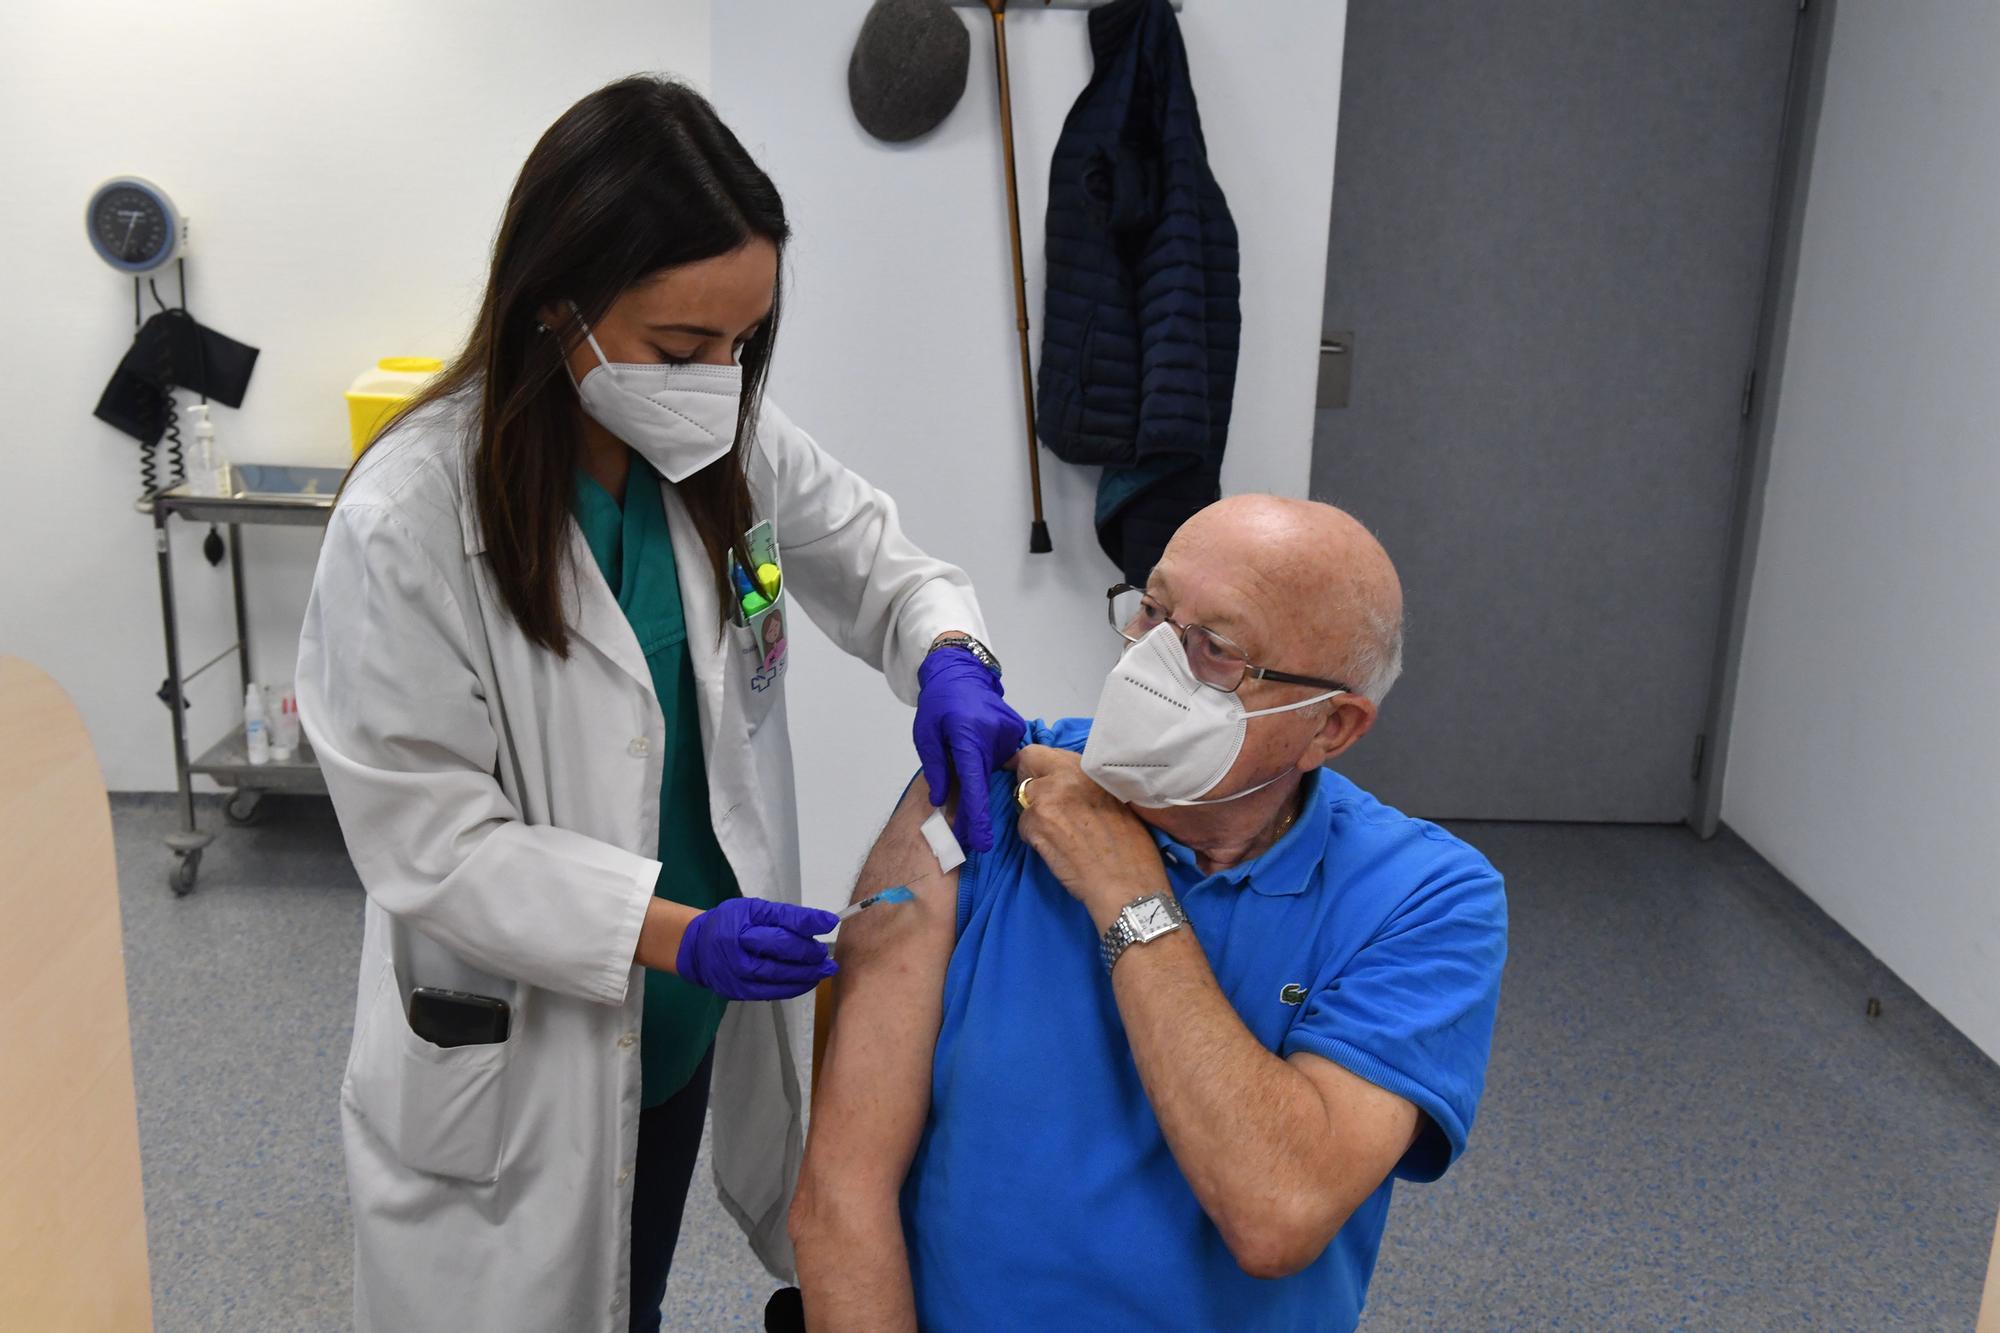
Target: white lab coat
pixel 501 805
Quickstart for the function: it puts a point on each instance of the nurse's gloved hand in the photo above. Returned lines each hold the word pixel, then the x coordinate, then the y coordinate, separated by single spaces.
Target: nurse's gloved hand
pixel 964 730
pixel 756 949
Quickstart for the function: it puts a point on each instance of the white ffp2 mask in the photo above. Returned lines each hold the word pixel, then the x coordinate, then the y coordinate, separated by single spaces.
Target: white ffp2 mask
pixel 1161 737
pixel 679 418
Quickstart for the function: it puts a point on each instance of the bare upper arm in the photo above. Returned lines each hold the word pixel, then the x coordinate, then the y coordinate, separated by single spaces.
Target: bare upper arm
pixel 1370 1127
pixel 874 1087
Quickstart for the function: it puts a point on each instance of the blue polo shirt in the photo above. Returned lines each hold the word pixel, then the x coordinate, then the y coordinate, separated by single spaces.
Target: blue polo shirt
pixel 1043 1196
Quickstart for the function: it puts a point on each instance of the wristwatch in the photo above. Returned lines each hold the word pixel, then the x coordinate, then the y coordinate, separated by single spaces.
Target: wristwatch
pixel 971 645
pixel 1141 922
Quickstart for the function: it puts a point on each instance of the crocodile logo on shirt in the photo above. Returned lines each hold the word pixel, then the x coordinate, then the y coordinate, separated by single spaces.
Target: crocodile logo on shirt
pixel 1292 993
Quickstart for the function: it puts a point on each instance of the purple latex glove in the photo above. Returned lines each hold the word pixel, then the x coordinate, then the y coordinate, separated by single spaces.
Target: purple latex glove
pixel 964 730
pixel 756 949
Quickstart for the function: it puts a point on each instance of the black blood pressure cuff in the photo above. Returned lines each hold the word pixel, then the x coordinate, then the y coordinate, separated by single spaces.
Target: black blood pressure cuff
pixel 173 350
pixel 134 404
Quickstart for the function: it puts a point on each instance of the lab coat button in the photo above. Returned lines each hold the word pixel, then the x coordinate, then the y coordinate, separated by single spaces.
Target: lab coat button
pixel 639 748
pixel 624 1175
pixel 625 1042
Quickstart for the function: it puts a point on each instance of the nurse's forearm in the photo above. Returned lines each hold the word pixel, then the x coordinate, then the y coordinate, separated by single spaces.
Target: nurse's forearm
pixel 660 934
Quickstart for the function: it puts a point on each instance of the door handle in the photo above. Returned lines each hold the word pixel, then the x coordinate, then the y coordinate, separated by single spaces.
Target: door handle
pixel 1336 369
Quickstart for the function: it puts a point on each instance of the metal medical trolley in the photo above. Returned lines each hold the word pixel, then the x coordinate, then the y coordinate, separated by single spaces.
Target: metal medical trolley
pixel 288 496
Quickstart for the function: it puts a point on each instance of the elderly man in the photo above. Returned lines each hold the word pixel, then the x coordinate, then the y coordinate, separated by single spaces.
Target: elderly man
pixel 1153 1061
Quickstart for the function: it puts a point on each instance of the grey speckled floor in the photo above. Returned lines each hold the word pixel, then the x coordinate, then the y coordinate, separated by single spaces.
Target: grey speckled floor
pixel 242 1006
pixel 1689 1121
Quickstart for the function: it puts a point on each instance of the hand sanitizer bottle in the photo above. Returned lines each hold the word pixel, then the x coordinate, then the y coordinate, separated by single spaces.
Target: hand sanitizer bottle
pixel 256 727
pixel 211 465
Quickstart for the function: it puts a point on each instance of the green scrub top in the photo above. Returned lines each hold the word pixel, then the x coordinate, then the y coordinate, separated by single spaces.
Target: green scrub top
pixel 636 555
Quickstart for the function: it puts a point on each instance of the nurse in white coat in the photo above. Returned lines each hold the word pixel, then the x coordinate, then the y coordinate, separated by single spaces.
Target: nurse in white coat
pixel 559 754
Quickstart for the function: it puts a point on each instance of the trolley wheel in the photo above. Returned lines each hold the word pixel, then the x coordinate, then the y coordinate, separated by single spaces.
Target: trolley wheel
pixel 183 874
pixel 244 806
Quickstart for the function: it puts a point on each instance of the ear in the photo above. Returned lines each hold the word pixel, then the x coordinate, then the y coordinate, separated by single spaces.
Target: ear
pixel 1348 718
pixel 555 315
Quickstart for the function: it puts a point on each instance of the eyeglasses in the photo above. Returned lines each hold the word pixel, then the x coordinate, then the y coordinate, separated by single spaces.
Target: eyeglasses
pixel 1217 662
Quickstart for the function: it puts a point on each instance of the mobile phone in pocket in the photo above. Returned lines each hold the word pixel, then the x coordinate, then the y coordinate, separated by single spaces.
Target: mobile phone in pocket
pixel 458 1018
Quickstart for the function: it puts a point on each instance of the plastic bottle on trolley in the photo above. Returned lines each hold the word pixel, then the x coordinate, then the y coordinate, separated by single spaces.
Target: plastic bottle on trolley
pixel 256 727
pixel 285 727
pixel 210 473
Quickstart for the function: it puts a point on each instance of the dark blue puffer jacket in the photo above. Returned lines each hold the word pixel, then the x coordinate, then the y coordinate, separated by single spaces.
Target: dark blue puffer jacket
pixel 1142 324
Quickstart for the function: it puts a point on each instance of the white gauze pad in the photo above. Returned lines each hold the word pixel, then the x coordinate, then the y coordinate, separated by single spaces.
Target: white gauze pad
pixel 937 832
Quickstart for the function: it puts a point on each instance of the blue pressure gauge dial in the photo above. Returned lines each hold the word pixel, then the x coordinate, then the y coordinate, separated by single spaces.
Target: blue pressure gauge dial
pixel 133 225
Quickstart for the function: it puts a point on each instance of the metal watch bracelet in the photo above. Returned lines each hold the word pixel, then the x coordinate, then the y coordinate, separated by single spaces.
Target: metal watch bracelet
pixel 971 645
pixel 1125 929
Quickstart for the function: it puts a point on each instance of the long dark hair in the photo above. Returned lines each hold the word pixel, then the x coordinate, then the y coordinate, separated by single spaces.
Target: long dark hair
pixel 637 177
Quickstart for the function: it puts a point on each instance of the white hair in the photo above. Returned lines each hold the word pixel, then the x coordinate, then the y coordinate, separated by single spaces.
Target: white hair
pixel 1378 658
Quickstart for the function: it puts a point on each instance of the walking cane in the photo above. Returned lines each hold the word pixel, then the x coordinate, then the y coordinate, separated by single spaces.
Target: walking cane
pixel 1038 534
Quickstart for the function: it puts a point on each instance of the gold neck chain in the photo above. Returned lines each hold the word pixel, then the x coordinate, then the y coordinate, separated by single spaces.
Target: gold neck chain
pixel 1283 824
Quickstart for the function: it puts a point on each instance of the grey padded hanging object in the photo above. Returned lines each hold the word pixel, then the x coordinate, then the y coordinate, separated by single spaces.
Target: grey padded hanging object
pixel 908 68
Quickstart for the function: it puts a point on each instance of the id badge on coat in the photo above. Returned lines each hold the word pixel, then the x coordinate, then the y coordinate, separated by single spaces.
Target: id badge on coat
pixel 762 610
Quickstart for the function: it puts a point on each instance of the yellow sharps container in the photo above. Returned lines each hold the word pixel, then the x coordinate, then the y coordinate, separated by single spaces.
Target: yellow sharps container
pixel 379 390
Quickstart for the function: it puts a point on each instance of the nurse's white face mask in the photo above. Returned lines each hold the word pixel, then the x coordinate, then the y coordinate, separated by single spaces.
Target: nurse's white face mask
pixel 678 418
pixel 1161 737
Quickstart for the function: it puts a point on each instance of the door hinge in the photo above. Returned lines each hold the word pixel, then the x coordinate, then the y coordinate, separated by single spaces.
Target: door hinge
pixel 1700 756
pixel 1749 390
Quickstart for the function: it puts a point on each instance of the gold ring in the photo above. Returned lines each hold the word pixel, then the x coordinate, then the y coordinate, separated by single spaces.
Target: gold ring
pixel 1021 792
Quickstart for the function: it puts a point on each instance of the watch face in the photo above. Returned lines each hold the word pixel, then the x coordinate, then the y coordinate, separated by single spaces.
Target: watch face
pixel 1153 918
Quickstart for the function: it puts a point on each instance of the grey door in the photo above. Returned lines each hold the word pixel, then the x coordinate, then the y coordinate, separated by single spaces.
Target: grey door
pixel 1549 228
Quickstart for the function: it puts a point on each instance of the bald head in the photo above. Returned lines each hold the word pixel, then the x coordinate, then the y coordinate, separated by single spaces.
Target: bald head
pixel 1302 586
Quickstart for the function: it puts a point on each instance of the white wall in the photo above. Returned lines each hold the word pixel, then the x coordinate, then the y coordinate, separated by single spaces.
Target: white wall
pixel 344 167
pixel 898 350
pixel 1865 754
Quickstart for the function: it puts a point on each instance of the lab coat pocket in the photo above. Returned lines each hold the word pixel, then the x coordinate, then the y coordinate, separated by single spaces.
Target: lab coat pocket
pixel 762 654
pixel 440 1110
pixel 451 1112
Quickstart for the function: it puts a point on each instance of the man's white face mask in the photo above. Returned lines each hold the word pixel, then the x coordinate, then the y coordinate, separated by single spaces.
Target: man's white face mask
pixel 678 418
pixel 1161 737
